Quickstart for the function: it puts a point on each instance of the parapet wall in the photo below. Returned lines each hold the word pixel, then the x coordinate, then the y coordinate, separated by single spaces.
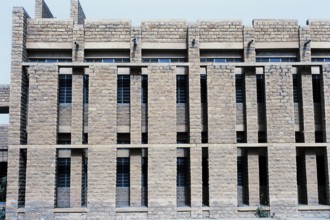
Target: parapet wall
pixel 4 95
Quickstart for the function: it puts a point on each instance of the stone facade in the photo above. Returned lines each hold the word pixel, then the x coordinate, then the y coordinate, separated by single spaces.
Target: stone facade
pixel 218 145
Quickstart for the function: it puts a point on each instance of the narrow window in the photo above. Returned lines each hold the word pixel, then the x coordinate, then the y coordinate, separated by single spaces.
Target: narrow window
pixel 144 138
pixel 239 86
pixel 205 176
pixel 260 88
pixel 316 88
pixel 84 179
pixel 22 178
pixel 144 90
pixel 296 86
pixel 321 180
pixel 144 179
pixel 64 138
pixel 122 182
pixel 182 138
pixel 182 88
pixel 65 89
pixel 123 138
pixel 183 181
pixel 263 180
pixel 86 88
pixel 123 89
pixel 63 182
pixel 242 179
pixel 301 177
pixel 204 138
pixel 240 136
pixel 203 89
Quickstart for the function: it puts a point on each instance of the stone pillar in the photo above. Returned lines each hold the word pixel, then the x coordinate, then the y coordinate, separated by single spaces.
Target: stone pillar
pixel 136 45
pixel 102 107
pixel 195 126
pixel 249 44
pixel 282 174
pixel 76 178
pixel 162 182
pixel 162 104
pixel 221 104
pixel 42 10
pixel 223 181
pixel 77 127
pixel 325 83
pixel 279 104
pixel 76 12
pixel 136 108
pixel 135 177
pixel 311 178
pixel 40 182
pixel 307 106
pixel 78 44
pixel 17 119
pixel 196 182
pixel 253 178
pixel 304 46
pixel 43 105
pixel 13 179
pixel 251 106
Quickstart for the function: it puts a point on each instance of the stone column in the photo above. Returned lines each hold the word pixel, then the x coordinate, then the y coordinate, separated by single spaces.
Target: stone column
pixel 223 181
pixel 135 177
pixel 76 178
pixel 279 104
pixel 311 178
pixel 282 173
pixel 253 178
pixel 101 182
pixel 251 106
pixel 76 12
pixel 78 44
pixel 195 126
pixel 40 182
pixel 162 182
pixel 304 46
pixel 307 106
pixel 136 43
pixel 136 108
pixel 77 127
pixel 42 10
pixel 102 107
pixel 249 44
pixel 43 105
pixel 196 182
pixel 162 104
pixel 221 104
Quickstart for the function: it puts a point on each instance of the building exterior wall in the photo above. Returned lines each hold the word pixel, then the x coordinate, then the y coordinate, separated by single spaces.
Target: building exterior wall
pixel 146 134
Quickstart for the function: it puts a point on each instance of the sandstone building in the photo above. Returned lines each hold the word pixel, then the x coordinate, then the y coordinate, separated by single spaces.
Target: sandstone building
pixel 167 120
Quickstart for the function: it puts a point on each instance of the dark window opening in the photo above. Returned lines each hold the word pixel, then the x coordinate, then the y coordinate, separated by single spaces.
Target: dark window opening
pixel 163 60
pixel 301 178
pixel 299 137
pixel 316 88
pixel 319 137
pixel 85 138
pixel 123 138
pixel 260 88
pixel 242 180
pixel 182 138
pixel 321 180
pixel 22 177
pixel 239 86
pixel 204 138
pixel 107 60
pixel 122 179
pixel 205 176
pixel 63 179
pixel 86 88
pixel 263 180
pixel 182 88
pixel 65 89
pixel 64 138
pixel 84 179
pixel 296 88
pixel 183 181
pixel 144 138
pixel 241 137
pixel 144 89
pixel 123 89
pixel 144 183
pixel 3 180
pixel 203 89
pixel 262 137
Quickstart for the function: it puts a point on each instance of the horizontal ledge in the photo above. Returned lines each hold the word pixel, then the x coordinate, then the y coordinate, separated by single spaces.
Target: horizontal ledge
pixel 277 45
pixel 132 209
pixel 167 46
pixel 314 208
pixel 251 208
pixel 221 45
pixel 43 45
pixel 107 45
pixel 70 210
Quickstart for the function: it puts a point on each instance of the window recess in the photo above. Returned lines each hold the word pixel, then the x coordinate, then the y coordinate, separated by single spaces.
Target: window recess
pixel 49 55
pixel 164 56
pixel 320 55
pixel 221 56
pixel 277 55
pixel 107 56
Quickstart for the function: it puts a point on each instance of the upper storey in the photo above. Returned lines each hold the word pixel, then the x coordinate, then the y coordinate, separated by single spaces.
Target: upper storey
pixel 215 39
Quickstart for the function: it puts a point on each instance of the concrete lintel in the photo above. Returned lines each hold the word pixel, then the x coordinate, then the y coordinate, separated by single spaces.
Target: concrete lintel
pixel 277 45
pixel 107 45
pixel 167 46
pixel 42 45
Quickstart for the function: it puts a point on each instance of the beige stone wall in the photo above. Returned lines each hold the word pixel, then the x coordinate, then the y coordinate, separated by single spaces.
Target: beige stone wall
pixel 319 30
pixel 269 30
pixel 221 31
pixel 77 128
pixel 4 95
pixel 107 31
pixel 279 104
pixel 251 106
pixel 164 31
pixel 40 189
pixel 42 10
pixel 135 109
pixel 161 90
pixel 43 105
pixel 49 30
pixel 221 104
pixel 102 105
pixel 65 115
pixel 76 12
pixel 3 136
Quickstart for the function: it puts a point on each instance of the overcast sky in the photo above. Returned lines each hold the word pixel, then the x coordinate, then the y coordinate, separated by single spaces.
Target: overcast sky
pixel 138 10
